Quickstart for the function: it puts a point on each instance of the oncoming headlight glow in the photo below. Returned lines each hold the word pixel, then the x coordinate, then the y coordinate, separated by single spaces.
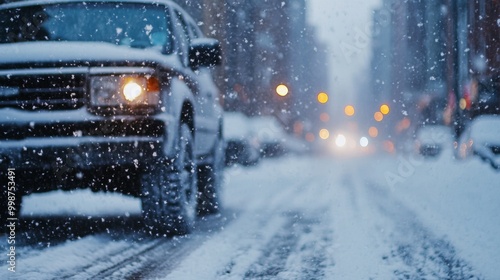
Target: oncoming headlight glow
pixel 363 142
pixel 340 141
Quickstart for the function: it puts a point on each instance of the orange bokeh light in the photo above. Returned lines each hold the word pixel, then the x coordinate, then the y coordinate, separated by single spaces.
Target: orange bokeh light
pixel 404 124
pixel 373 132
pixel 324 117
pixel 389 146
pixel 378 116
pixel 349 110
pixel 322 97
pixel 310 137
pixel 384 109
pixel 324 134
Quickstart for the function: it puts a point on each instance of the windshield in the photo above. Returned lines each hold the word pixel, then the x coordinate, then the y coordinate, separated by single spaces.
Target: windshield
pixel 118 23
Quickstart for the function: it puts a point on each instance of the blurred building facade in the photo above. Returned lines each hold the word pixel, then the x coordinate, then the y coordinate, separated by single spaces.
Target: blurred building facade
pixel 266 43
pixel 479 74
pixel 432 58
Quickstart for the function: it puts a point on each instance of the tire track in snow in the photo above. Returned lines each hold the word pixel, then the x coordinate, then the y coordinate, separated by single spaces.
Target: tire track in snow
pixel 276 252
pixel 226 254
pixel 117 254
pixel 105 262
pixel 310 258
pixel 295 252
pixel 72 258
pixel 229 254
pixel 358 241
pixel 299 249
pixel 156 261
pixel 419 253
pixel 278 245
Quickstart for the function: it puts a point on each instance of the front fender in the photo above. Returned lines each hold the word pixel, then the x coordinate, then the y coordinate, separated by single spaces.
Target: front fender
pixel 176 93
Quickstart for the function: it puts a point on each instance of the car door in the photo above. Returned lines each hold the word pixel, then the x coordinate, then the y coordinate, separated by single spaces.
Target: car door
pixel 210 89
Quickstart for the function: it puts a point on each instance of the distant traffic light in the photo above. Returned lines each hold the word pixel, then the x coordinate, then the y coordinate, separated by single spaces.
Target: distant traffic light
pixel 322 97
pixel 349 110
pixel 384 109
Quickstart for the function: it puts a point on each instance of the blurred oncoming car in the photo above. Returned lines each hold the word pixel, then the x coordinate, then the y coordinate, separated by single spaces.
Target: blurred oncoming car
pixel 350 143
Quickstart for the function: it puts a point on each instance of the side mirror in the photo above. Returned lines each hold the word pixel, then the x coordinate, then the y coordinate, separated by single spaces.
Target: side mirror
pixel 204 52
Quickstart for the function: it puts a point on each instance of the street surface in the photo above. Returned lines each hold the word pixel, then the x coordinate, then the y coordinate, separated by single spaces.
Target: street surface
pixel 288 218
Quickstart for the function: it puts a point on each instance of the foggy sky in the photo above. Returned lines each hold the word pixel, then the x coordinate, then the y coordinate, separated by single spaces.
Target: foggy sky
pixel 345 26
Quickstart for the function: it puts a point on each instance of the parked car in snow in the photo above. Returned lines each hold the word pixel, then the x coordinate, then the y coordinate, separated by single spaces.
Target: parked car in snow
pixel 431 140
pixel 242 145
pixel 482 138
pixel 273 139
pixel 271 136
pixel 112 96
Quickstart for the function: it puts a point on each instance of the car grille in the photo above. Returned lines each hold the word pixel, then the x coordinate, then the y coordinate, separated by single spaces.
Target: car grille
pixel 34 92
pixel 107 128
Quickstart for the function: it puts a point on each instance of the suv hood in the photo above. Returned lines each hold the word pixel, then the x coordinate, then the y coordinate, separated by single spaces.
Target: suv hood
pixel 81 54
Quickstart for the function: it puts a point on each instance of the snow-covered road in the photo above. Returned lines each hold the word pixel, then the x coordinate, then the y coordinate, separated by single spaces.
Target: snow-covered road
pixel 383 217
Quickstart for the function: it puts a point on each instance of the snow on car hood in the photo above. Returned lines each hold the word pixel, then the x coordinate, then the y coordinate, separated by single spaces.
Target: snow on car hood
pixel 486 130
pixel 84 52
pixel 434 134
pixel 236 126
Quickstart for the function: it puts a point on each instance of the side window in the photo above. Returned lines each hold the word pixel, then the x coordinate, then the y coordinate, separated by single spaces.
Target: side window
pixel 184 40
pixel 194 31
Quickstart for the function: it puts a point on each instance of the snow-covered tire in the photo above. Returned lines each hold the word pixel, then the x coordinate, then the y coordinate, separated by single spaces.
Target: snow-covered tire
pixel 210 178
pixel 169 191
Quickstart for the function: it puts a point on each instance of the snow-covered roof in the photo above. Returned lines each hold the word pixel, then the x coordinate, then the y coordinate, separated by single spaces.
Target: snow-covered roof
pixel 486 129
pixel 436 134
pixel 236 125
pixel 267 128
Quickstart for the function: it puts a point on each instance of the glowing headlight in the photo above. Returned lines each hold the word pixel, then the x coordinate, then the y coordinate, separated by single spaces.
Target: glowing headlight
pixel 363 142
pixel 124 91
pixel 132 91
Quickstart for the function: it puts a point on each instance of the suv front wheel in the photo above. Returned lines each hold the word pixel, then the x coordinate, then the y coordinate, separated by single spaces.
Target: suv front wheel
pixel 169 191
